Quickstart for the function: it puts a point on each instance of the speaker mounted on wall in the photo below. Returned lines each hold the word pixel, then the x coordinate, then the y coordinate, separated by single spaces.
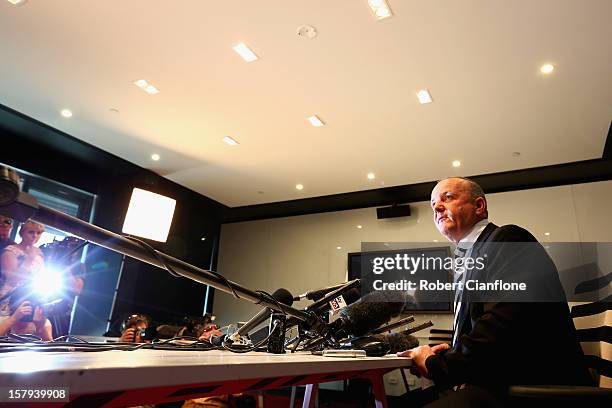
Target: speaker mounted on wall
pixel 394 211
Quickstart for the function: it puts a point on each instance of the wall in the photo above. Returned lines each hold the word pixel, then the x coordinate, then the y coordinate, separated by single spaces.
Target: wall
pixel 300 253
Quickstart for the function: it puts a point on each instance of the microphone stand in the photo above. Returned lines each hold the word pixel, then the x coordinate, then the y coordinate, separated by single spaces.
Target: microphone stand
pixel 22 206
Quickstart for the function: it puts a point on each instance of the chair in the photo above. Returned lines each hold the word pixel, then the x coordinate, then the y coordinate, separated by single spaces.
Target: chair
pixel 594 330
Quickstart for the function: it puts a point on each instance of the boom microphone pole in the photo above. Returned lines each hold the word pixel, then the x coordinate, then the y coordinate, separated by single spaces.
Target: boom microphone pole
pixel 22 206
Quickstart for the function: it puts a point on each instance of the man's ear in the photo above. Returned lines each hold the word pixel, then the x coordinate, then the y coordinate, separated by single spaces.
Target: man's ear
pixel 481 206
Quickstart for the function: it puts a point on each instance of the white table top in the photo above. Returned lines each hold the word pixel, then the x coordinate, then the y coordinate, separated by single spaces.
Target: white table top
pixel 87 372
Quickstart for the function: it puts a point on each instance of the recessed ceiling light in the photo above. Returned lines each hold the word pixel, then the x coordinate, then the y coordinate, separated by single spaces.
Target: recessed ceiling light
pixel 245 52
pixel 299 187
pixel 435 240
pixel 424 96
pixel 67 113
pixel 147 87
pixel 456 163
pixel 371 176
pixel 155 157
pixel 380 8
pixel 516 154
pixel 338 247
pixel 230 141
pixel 18 2
pixel 547 68
pixel 203 239
pixel 114 110
pixel 547 234
pixel 359 227
pixel 315 121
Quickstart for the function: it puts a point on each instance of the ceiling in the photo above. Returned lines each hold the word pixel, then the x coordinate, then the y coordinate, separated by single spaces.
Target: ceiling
pixel 480 61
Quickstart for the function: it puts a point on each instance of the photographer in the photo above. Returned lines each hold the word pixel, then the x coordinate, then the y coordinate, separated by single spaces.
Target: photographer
pixel 133 329
pixel 18 263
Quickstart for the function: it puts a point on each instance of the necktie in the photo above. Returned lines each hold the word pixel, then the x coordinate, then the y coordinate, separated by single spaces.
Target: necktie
pixel 459 277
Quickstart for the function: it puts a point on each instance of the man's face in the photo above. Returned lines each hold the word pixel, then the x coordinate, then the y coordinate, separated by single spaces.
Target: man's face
pixel 6 225
pixel 454 211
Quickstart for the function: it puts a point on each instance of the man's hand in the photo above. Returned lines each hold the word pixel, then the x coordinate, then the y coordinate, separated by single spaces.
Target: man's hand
pixel 128 335
pixel 210 333
pixel 24 309
pixel 419 356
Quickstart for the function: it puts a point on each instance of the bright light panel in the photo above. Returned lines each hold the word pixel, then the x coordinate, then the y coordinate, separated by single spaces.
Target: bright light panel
pixel 245 52
pixel 230 141
pixel 424 96
pixel 17 2
pixel 67 113
pixel 147 87
pixel 149 215
pixel 315 121
pixel 380 8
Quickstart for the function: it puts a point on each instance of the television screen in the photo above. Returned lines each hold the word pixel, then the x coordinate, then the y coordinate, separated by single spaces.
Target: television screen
pixel 359 263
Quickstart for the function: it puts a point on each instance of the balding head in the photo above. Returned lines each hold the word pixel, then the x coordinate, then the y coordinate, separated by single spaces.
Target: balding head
pixel 458 203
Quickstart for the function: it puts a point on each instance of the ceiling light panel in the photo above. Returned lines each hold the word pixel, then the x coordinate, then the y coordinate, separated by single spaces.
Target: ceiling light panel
pixel 18 2
pixel 147 87
pixel 315 121
pixel 424 96
pixel 245 52
pixel 230 141
pixel 380 8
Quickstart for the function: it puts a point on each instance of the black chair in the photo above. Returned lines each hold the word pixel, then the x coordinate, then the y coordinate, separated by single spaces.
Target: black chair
pixel 595 335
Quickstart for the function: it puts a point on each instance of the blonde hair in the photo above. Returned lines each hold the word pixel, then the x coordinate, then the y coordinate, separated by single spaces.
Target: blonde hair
pixel 35 224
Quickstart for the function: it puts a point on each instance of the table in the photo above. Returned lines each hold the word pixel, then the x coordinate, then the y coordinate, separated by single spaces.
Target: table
pixel 120 378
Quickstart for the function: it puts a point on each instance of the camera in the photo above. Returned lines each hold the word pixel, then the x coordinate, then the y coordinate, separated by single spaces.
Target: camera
pixel 25 293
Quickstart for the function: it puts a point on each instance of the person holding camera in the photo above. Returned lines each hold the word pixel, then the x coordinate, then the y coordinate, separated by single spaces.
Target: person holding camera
pixel 134 329
pixel 19 261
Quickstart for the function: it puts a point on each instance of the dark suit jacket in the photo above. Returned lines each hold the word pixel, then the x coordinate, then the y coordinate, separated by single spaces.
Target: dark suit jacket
pixel 502 343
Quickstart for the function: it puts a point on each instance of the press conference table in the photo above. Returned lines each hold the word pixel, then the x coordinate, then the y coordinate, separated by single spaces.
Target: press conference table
pixel 123 378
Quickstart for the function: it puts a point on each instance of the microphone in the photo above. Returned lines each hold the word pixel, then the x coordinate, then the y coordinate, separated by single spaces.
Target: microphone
pixel 342 301
pixel 398 341
pixel 282 295
pixel 371 311
pixel 381 344
pixel 317 293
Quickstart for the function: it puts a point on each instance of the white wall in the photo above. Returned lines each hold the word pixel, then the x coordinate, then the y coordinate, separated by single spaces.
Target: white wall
pixel 299 253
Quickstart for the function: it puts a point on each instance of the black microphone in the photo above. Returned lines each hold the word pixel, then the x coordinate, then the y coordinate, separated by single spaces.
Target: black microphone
pixel 348 298
pixel 398 341
pixel 282 295
pixel 381 344
pixel 317 293
pixel 370 312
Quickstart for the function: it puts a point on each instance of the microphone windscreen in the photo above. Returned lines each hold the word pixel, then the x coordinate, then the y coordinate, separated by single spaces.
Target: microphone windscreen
pixel 352 296
pixel 373 310
pixel 397 341
pixel 283 296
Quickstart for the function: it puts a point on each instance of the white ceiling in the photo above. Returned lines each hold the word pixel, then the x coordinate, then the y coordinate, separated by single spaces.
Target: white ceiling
pixel 479 59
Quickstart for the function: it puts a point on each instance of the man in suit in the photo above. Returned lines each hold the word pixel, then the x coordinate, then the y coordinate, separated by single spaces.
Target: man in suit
pixel 498 340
